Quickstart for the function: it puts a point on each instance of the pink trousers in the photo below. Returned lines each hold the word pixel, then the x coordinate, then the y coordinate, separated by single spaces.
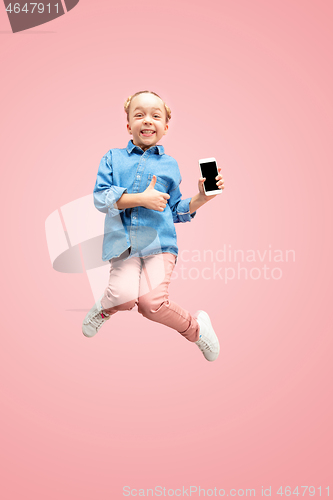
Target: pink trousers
pixel 144 281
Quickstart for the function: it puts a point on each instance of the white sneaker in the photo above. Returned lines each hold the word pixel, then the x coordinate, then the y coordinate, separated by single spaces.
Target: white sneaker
pixel 208 342
pixel 95 318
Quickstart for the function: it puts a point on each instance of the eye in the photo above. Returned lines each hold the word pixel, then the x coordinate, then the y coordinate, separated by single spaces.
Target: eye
pixel 158 116
pixel 138 114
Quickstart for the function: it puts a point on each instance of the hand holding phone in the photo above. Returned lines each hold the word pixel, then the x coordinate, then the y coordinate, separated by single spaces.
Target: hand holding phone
pixel 209 170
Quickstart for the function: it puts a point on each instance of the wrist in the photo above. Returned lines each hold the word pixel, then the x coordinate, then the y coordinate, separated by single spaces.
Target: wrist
pixel 140 198
pixel 129 200
pixel 203 198
pixel 197 201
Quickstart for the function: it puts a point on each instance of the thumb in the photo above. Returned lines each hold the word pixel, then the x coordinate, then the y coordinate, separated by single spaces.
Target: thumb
pixel 152 182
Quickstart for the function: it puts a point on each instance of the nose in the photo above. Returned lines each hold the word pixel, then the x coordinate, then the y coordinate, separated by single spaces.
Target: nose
pixel 147 119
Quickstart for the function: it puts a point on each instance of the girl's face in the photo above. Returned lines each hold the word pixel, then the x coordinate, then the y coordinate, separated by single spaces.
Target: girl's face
pixel 147 120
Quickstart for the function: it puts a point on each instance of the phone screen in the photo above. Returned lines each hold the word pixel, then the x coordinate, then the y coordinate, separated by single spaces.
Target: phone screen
pixel 209 170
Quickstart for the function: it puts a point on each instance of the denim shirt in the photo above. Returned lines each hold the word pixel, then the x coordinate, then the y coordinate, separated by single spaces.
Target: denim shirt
pixel 142 230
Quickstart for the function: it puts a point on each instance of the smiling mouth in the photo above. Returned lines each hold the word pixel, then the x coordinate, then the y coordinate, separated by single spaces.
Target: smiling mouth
pixel 147 132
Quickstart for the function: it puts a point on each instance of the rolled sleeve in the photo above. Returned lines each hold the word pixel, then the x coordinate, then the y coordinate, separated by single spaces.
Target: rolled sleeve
pixel 105 193
pixel 180 208
pixel 104 200
pixel 183 211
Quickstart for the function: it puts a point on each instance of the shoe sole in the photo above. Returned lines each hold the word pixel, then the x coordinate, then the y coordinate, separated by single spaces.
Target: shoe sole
pixel 88 336
pixel 93 335
pixel 86 318
pixel 206 319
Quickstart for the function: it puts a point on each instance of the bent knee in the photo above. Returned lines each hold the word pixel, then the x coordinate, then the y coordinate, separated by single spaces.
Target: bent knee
pixel 148 305
pixel 120 301
pixel 144 307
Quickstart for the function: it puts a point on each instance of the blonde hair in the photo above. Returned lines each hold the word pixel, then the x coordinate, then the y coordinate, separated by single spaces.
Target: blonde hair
pixel 129 100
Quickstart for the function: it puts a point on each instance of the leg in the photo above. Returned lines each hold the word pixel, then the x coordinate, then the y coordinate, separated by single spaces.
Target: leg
pixel 154 303
pixel 120 295
pixel 122 291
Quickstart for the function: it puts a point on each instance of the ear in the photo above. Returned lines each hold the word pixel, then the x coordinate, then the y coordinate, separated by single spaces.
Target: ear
pixel 166 128
pixel 129 129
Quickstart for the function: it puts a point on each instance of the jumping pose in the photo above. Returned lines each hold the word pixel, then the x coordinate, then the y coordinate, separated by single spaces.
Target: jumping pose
pixel 137 187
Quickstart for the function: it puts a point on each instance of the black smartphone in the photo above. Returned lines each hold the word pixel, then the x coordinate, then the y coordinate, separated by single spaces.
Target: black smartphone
pixel 208 168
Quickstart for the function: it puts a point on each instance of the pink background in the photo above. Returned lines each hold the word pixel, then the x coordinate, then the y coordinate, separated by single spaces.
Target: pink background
pixel 248 82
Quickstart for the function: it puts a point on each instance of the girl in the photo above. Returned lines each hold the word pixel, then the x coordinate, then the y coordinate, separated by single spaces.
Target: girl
pixel 137 187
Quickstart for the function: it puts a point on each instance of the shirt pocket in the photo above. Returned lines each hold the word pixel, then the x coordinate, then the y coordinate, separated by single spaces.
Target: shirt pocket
pixel 161 184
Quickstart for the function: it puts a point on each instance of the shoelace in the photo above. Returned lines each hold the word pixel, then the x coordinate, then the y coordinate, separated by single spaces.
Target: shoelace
pixel 203 345
pixel 98 319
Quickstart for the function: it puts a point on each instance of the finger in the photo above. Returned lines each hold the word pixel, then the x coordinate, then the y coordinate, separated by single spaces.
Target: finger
pixel 153 181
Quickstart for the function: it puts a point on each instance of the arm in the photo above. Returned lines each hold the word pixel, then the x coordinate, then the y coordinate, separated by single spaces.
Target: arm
pixel 105 194
pixel 180 208
pixel 196 202
pixel 201 198
pixel 128 200
pixel 150 198
pixel 185 210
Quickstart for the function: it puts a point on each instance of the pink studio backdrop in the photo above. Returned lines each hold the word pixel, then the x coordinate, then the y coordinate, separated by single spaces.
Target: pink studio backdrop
pixel 248 82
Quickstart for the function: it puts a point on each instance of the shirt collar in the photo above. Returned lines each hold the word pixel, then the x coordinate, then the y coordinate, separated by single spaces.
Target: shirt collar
pixel 158 149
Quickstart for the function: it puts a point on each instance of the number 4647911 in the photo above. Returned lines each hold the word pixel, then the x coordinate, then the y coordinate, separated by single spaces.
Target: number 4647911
pixel 40 8
pixel 310 490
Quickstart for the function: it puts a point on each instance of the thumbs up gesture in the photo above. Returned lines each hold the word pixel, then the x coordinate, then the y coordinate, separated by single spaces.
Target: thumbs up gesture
pixel 153 199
